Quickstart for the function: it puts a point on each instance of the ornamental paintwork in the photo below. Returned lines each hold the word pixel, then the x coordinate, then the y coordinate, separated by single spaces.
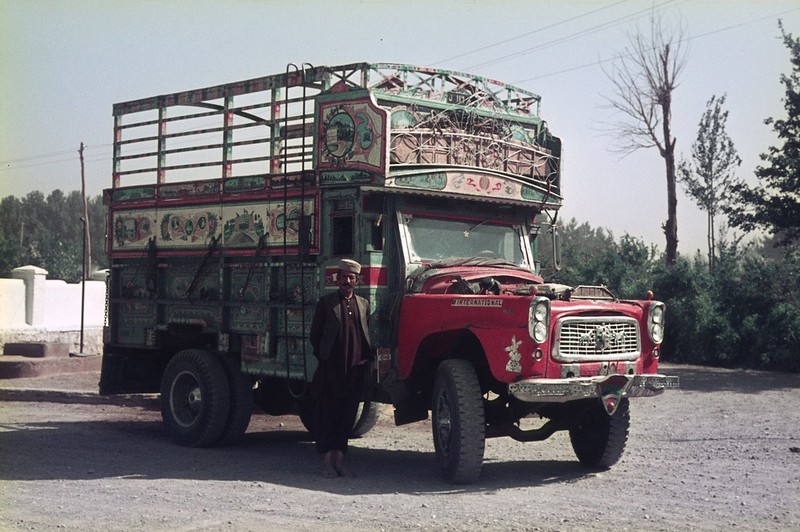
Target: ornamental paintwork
pixel 514 355
pixel 231 206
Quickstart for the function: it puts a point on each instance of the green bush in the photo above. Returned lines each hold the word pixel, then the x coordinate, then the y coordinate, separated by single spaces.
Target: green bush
pixel 746 313
pixel 48 232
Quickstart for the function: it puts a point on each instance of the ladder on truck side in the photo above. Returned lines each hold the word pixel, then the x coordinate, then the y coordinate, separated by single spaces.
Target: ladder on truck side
pixel 296 126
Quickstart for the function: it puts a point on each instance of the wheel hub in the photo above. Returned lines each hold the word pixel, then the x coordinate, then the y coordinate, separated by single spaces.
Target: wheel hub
pixel 186 399
pixel 195 397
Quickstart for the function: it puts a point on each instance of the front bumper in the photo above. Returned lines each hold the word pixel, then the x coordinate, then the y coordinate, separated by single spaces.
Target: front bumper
pixel 563 390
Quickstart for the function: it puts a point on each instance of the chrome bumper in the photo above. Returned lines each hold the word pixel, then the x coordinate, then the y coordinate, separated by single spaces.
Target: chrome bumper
pixel 563 390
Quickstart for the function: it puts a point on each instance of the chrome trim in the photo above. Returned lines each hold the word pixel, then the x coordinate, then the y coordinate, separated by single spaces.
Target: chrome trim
pixel 597 338
pixel 563 390
pixel 651 385
pixel 532 321
pixel 651 323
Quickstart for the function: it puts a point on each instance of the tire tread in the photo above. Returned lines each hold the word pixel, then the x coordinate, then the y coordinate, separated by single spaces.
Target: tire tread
pixel 599 439
pixel 216 397
pixel 464 462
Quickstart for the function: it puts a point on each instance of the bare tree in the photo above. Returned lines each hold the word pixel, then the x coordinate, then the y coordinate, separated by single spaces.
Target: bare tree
pixel 644 78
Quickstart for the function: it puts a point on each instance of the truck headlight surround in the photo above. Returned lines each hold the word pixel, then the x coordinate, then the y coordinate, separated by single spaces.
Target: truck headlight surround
pixel 539 319
pixel 655 321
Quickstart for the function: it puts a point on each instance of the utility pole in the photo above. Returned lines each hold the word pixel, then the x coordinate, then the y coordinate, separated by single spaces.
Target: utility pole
pixel 85 257
pixel 87 252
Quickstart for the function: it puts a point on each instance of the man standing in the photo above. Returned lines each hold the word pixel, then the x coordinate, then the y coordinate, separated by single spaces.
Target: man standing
pixel 340 338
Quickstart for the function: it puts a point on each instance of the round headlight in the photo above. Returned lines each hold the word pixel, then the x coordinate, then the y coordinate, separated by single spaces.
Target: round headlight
pixel 539 319
pixel 540 332
pixel 655 325
pixel 657 333
pixel 657 314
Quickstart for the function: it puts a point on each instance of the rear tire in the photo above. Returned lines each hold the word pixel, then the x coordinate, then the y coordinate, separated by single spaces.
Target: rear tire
pixel 273 396
pixel 195 398
pixel 366 417
pixel 459 427
pixel 307 409
pixel 599 439
pixel 241 402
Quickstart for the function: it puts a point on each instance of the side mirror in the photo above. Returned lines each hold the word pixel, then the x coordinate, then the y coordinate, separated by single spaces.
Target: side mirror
pixel 556 247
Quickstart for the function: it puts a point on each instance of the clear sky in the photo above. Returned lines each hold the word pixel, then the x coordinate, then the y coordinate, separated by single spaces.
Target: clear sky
pixel 64 63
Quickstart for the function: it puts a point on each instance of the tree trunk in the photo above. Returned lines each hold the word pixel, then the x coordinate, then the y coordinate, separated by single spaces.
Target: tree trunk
pixel 671 225
pixel 644 84
pixel 711 244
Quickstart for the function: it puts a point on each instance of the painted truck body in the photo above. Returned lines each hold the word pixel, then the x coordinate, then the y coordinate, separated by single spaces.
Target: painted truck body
pixel 231 206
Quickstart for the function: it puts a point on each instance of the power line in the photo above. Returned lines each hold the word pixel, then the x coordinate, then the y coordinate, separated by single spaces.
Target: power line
pixel 43 159
pixel 537 30
pixel 573 36
pixel 35 157
pixel 47 158
pixel 53 154
pixel 58 157
pixel 698 36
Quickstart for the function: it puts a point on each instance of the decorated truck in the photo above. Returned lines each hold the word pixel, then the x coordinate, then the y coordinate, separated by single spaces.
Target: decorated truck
pixel 232 205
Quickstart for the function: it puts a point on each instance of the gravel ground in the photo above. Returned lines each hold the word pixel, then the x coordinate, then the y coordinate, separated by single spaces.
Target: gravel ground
pixel 721 453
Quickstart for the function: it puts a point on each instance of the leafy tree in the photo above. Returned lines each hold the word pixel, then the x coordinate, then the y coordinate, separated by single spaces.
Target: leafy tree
pixel 745 314
pixel 683 287
pixel 581 246
pixel 774 203
pixel 760 297
pixel 593 257
pixel 97 232
pixel 47 232
pixel 33 214
pixel 11 234
pixel 9 249
pixel 709 176
pixel 644 78
pixel 52 234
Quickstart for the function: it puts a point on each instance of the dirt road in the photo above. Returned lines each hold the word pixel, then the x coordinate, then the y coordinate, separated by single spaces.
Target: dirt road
pixel 722 453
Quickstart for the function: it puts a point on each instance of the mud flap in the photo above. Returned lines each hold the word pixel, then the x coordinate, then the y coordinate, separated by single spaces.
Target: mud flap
pixel 612 390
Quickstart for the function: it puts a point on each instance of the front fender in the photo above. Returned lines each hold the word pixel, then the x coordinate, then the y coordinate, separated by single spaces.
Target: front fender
pixel 498 322
pixel 510 353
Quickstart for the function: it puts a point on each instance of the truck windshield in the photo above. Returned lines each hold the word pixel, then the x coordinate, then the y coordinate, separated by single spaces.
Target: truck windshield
pixel 435 239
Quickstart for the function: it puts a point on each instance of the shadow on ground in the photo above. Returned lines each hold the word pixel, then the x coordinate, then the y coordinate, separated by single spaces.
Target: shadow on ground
pixel 141 449
pixel 708 379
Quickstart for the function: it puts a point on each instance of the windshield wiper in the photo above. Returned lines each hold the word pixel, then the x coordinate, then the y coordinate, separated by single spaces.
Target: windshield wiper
pixel 468 231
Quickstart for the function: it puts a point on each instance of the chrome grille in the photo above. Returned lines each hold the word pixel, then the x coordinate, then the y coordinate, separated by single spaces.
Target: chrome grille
pixel 597 338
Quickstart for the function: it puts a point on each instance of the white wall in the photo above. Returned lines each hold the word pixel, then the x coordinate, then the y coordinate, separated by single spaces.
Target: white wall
pixel 36 309
pixel 63 305
pixel 12 303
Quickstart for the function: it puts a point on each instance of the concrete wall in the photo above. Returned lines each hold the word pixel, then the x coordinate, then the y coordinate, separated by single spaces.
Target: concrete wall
pixel 36 309
pixel 12 303
pixel 63 304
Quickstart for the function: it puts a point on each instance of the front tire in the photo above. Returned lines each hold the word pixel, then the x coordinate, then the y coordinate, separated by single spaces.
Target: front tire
pixel 458 422
pixel 599 439
pixel 195 398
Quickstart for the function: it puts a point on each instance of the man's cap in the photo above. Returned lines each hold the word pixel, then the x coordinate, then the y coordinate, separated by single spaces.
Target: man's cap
pixel 349 266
